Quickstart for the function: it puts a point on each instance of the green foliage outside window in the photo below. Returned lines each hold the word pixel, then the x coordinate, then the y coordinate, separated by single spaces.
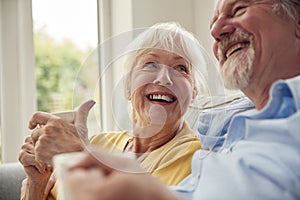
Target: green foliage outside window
pixel 56 68
pixel 57 65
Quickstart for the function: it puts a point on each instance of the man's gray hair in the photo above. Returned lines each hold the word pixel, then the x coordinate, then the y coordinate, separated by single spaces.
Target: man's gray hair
pixel 290 8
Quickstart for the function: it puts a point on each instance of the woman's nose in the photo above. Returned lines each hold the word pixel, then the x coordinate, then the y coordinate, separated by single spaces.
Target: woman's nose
pixel 163 76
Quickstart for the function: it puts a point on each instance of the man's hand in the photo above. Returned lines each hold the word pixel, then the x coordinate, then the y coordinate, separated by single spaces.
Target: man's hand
pixel 91 178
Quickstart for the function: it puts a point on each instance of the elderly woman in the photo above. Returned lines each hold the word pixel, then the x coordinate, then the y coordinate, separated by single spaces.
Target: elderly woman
pixel 162 65
pixel 161 86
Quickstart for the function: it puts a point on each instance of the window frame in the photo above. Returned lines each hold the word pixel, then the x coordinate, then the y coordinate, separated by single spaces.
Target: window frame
pixel 18 99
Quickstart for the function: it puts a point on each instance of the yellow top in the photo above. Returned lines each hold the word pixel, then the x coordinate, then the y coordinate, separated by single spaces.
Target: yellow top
pixel 171 162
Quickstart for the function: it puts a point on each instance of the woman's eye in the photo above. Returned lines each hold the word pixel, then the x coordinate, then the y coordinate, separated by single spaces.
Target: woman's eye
pixel 181 68
pixel 150 65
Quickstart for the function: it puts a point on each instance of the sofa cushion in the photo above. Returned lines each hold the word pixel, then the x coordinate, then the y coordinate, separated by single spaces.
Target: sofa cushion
pixel 11 176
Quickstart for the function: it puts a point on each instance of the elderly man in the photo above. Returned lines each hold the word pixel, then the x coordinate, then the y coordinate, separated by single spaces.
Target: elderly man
pixel 257 43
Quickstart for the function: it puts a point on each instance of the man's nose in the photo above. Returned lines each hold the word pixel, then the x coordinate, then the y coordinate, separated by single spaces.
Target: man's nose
pixel 222 27
pixel 163 76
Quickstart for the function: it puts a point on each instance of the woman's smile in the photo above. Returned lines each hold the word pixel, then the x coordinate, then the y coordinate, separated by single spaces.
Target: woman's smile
pixel 161 98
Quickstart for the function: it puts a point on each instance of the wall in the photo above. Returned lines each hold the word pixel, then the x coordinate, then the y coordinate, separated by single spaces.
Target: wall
pixel 147 12
pixel 194 15
pixel 203 10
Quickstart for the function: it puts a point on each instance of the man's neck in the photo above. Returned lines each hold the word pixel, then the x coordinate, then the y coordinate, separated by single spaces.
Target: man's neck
pixel 258 91
pixel 259 95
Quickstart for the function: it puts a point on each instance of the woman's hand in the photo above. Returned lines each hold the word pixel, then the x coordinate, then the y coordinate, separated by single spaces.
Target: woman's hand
pixel 33 168
pixel 38 174
pixel 53 135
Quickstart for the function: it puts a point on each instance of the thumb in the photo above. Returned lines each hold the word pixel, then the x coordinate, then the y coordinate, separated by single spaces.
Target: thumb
pixel 81 119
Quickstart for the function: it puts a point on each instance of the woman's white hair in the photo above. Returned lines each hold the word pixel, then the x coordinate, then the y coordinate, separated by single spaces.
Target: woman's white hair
pixel 172 37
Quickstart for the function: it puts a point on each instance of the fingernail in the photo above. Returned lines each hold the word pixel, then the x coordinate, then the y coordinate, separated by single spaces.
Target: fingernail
pixel 91 103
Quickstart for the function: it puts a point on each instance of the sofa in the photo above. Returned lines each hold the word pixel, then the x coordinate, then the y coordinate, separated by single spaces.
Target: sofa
pixel 11 176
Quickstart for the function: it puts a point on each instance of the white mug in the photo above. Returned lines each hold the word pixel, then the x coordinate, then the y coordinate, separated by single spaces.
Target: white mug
pixel 62 162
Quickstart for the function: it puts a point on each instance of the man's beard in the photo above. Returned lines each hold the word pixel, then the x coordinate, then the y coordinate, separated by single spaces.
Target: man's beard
pixel 237 70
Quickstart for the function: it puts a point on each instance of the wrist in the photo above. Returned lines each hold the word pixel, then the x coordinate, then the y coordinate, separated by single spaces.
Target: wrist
pixel 34 190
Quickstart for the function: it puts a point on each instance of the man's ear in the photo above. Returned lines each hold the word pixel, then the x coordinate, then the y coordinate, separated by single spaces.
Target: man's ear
pixel 298 24
pixel 298 30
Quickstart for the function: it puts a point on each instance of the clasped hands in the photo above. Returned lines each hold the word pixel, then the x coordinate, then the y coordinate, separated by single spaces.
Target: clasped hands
pixel 53 135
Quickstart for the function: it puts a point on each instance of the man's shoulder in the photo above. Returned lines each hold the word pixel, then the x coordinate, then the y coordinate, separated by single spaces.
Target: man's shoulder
pixel 294 85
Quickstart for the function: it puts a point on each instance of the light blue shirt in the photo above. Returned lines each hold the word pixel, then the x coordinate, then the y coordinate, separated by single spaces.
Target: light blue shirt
pixel 259 157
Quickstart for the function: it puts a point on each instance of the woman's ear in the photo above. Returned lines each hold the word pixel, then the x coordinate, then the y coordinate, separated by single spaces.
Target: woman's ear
pixel 127 87
pixel 195 93
pixel 128 95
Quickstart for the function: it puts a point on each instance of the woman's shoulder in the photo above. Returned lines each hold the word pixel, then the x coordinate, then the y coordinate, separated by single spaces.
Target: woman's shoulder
pixel 185 138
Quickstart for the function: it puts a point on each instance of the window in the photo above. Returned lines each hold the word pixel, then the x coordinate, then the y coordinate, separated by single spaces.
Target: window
pixel 65 38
